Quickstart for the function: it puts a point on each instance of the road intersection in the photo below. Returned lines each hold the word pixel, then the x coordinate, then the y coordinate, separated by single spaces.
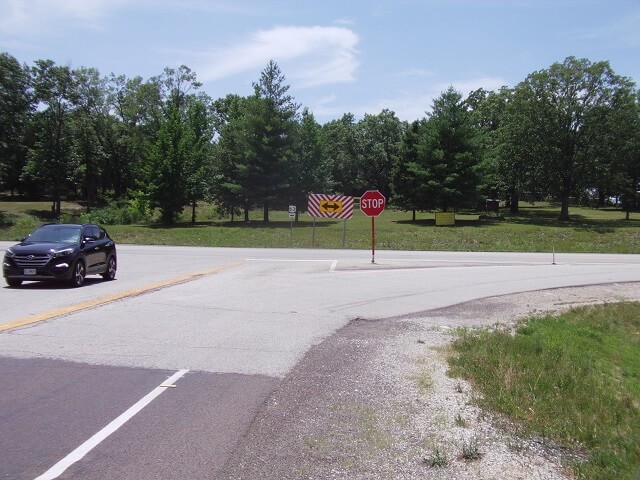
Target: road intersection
pixel 235 321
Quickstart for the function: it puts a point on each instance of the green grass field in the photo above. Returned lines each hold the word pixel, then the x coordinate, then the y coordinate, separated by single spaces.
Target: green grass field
pixel 535 229
pixel 572 378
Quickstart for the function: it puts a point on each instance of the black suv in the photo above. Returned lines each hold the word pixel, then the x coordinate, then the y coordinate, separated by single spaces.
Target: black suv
pixel 57 251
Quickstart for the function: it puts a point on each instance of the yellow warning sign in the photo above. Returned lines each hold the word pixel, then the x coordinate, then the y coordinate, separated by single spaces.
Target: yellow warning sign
pixel 330 206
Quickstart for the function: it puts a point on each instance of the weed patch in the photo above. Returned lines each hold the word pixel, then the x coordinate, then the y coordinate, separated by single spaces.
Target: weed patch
pixel 471 449
pixel 573 378
pixel 438 458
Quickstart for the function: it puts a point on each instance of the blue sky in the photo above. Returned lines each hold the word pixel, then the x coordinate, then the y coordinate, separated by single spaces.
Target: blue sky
pixel 338 56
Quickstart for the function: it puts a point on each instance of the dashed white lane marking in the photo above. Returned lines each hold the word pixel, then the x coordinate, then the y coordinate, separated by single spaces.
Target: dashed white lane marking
pixel 334 263
pixel 60 467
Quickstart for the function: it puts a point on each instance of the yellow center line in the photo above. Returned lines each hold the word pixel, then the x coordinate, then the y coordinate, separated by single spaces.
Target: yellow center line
pixel 57 312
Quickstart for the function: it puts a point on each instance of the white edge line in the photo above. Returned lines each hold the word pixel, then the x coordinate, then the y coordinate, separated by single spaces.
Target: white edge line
pixel 60 467
pixel 334 263
pixel 287 260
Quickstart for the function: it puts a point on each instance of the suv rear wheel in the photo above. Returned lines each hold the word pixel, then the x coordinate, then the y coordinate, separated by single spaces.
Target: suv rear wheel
pixel 110 272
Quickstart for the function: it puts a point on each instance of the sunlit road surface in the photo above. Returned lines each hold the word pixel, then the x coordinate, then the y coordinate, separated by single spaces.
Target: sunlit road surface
pixel 85 371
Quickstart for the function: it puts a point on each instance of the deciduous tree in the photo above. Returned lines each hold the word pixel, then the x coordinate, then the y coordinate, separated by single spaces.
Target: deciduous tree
pixel 15 110
pixel 380 142
pixel 51 165
pixel 167 159
pixel 229 186
pixel 309 173
pixel 560 110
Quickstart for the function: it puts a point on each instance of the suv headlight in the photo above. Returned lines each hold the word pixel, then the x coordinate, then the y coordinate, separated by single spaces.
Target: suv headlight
pixel 9 253
pixel 62 253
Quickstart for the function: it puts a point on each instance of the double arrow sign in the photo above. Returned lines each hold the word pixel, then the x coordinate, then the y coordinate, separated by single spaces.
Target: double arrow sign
pixel 331 207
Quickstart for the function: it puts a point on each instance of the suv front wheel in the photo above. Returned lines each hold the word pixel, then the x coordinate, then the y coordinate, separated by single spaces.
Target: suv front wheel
pixel 79 272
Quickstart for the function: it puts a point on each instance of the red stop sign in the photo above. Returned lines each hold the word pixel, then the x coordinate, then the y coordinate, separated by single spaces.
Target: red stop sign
pixel 372 203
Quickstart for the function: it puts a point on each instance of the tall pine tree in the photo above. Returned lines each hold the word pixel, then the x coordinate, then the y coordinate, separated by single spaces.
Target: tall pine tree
pixel 271 126
pixel 452 161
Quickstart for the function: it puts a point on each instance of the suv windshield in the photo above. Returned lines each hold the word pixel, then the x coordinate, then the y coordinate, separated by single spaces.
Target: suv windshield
pixel 56 234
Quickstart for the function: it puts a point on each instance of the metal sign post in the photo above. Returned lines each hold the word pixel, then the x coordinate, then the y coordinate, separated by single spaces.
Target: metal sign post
pixel 373 239
pixel 292 216
pixel 344 234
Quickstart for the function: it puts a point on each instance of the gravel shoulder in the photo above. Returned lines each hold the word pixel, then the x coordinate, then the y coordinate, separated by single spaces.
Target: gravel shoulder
pixel 374 401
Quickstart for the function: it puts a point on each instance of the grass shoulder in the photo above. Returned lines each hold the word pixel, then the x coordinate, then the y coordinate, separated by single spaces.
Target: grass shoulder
pixel 573 378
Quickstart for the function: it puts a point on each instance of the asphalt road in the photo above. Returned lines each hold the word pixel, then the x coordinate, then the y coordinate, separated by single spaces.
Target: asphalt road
pixel 159 373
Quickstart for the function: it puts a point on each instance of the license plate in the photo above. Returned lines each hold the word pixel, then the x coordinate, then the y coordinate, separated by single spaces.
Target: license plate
pixel 29 271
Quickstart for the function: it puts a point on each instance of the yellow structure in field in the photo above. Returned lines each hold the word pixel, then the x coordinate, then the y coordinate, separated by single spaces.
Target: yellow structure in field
pixel 445 218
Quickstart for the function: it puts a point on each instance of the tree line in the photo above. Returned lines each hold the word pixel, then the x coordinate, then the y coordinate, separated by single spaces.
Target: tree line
pixel 569 131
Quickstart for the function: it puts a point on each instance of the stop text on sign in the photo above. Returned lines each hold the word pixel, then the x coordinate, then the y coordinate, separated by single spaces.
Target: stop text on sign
pixel 375 203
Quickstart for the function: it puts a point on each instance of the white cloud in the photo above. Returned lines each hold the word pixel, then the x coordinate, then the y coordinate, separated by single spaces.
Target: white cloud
pixel 313 55
pixel 416 72
pixel 467 86
pixel 45 16
pixel 345 22
pixel 624 31
pixel 409 105
pixel 406 107
pixel 37 17
pixel 326 108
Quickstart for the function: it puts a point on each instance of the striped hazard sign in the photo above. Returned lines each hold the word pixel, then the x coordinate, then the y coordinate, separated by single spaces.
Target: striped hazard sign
pixel 332 206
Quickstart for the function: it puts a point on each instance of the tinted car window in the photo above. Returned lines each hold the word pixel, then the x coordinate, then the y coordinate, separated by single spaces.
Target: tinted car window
pixel 89 232
pixel 56 234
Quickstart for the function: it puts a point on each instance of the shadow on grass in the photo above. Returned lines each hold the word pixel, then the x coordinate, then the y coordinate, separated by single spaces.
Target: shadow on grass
pixel 44 215
pixel 272 225
pixel 7 218
pixel 4 219
pixel 540 217
pixel 459 223
pixel 576 221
